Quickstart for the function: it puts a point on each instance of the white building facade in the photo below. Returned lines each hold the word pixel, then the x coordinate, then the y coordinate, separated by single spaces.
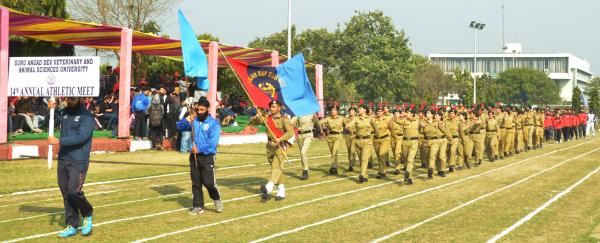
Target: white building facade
pixel 567 70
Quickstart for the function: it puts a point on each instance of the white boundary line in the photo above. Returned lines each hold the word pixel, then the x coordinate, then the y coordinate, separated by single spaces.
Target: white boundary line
pixel 395 200
pixel 143 178
pixel 344 193
pixel 150 186
pixel 538 210
pixel 241 198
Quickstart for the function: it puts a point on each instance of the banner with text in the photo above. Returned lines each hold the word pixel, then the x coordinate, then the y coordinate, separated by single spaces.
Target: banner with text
pixel 54 76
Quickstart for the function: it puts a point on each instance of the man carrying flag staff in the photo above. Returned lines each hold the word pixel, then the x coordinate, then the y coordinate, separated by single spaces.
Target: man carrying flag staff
pixel 280 130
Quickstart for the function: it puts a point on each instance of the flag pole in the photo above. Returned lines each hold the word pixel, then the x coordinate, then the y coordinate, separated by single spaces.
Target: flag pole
pixel 51 131
pixel 257 108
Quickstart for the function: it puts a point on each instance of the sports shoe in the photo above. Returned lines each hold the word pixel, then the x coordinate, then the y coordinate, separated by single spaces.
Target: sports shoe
pixel 380 176
pixel 264 193
pixel 67 232
pixel 409 182
pixel 219 206
pixel 86 229
pixel 196 211
pixel 350 168
pixel 279 198
pixel 304 175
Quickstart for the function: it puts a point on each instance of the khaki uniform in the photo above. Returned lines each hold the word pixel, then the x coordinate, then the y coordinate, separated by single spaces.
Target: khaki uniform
pixel 453 144
pixel 528 128
pixel 276 153
pixel 519 142
pixel 397 132
pixel 491 137
pixel 434 139
pixel 410 144
pixel 381 140
pixel 501 133
pixel 334 126
pixel 509 137
pixel 349 136
pixel 478 138
pixel 363 142
pixel 465 148
pixel 305 125
pixel 539 129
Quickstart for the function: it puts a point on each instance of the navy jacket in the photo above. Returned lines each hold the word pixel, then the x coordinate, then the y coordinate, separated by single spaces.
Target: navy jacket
pixel 76 136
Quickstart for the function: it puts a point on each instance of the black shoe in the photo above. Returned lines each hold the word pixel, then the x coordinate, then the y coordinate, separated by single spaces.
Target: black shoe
pixel 501 157
pixel 380 176
pixel 304 175
pixel 441 173
pixel 495 157
pixel 423 165
pixel 264 194
pixel 492 160
pixel 335 172
pixel 396 172
pixel 361 179
pixel 451 169
pixel 350 168
pixel 430 174
pixel 370 165
pixel 541 145
pixel 510 154
pixel 409 182
pixel 387 163
pixel 279 198
pixel 517 152
pixel 468 165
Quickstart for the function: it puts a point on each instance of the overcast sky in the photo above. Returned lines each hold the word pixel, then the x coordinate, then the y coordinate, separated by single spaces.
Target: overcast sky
pixel 433 26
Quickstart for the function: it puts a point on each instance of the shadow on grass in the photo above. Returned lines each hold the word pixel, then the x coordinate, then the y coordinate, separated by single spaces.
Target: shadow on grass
pixel 168 189
pixel 55 219
pixel 134 163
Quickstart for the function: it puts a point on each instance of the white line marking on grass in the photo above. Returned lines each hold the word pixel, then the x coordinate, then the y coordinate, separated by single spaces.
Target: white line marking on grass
pixel 398 199
pixel 305 202
pixel 142 178
pixel 150 186
pixel 478 198
pixel 538 210
pixel 176 210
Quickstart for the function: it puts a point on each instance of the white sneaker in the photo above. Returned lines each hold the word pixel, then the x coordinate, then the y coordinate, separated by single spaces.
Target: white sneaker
pixel 219 206
pixel 196 211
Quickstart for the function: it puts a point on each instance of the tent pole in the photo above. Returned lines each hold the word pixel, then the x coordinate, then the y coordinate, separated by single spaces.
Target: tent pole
pixel 124 83
pixel 213 68
pixel 4 34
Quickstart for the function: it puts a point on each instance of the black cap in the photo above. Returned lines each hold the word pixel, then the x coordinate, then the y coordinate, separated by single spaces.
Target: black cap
pixel 274 102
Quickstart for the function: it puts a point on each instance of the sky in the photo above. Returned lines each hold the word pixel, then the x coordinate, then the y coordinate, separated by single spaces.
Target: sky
pixel 432 26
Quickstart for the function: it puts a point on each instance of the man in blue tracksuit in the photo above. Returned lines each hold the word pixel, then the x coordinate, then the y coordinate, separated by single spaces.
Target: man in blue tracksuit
pixel 205 137
pixel 77 125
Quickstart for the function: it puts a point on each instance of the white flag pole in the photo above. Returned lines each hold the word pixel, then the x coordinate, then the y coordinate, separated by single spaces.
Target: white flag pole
pixel 51 132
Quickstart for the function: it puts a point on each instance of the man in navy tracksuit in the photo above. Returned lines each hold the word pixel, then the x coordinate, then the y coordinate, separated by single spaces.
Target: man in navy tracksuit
pixel 205 133
pixel 77 125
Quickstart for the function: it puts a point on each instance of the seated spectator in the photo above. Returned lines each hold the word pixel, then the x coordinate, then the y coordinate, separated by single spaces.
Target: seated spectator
pixel 23 109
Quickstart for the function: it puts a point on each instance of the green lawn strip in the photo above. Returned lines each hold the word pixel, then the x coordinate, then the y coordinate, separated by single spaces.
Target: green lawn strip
pixel 44 135
pixel 572 218
pixel 392 217
pixel 175 203
pixel 491 215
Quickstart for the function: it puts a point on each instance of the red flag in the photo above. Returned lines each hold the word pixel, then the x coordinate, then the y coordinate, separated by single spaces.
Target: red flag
pixel 258 97
pixel 276 132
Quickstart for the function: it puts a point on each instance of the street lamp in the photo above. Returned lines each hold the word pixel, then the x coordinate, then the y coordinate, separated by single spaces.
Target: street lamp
pixel 475 26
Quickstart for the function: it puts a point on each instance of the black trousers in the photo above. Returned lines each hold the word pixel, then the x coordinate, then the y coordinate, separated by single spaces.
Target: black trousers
pixel 71 176
pixel 581 130
pixel 140 124
pixel 566 134
pixel 203 174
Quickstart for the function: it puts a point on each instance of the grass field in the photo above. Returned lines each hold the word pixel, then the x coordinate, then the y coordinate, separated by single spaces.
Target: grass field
pixel 546 195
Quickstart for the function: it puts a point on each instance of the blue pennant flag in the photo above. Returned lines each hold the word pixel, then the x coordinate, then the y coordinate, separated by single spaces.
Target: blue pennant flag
pixel 296 90
pixel 194 58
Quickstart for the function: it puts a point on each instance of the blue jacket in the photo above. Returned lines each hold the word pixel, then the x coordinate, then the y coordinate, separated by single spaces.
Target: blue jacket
pixel 140 103
pixel 76 136
pixel 206 134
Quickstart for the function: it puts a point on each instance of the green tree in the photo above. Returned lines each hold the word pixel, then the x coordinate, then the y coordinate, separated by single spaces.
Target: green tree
pixel 527 86
pixel 576 100
pixel 593 93
pixel 21 46
pixel 464 81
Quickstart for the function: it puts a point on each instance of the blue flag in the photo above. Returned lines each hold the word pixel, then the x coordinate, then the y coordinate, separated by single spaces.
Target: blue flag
pixel 296 90
pixel 194 58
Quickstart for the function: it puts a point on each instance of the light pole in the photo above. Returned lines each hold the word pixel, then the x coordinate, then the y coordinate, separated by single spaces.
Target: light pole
pixel 289 31
pixel 475 26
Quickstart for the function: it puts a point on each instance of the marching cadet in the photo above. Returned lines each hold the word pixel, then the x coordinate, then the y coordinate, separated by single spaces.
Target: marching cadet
pixel 465 147
pixel 333 127
pixel 423 145
pixel 381 140
pixel 410 143
pixel 431 132
pixel 443 137
pixel 305 125
pixel 388 115
pixel 397 132
pixel 519 126
pixel 452 124
pixel 501 131
pixel 491 138
pixel 478 137
pixel 509 137
pixel 539 128
pixel 362 125
pixel 276 146
pixel 349 136
pixel 528 128
pixel 371 114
